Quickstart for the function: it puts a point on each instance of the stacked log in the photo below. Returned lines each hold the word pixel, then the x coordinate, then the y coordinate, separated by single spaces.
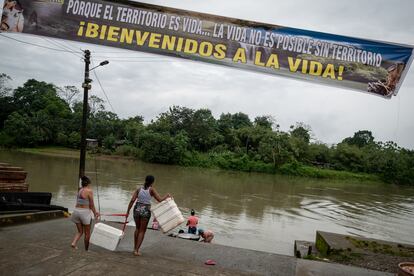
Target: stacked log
pixel 12 179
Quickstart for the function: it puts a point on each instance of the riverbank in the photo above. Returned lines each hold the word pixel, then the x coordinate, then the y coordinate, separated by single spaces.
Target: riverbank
pixel 43 248
pixel 375 254
pixel 293 169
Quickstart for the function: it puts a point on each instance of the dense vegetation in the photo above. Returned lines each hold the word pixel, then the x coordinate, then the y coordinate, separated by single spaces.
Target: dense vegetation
pixel 40 114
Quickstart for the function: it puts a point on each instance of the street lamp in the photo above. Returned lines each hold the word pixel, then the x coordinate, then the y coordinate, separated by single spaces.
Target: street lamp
pixel 86 85
pixel 103 63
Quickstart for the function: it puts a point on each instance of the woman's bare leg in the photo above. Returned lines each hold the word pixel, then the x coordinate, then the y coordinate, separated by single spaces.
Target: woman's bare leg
pixel 142 229
pixel 137 225
pixel 78 235
pixel 87 231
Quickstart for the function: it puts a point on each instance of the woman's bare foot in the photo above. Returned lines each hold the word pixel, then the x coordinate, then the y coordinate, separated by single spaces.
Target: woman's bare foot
pixel 136 253
pixel 74 246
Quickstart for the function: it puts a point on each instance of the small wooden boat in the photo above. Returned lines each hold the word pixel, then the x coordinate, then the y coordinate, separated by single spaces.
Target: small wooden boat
pixel 12 179
pixel 185 236
pixel 14 195
pixel 188 236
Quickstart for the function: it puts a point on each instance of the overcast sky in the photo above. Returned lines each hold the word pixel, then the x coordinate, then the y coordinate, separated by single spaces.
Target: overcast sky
pixel 151 84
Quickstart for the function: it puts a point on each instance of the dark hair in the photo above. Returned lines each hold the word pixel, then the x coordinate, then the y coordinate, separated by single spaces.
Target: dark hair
pixel 85 181
pixel 149 179
pixel 192 212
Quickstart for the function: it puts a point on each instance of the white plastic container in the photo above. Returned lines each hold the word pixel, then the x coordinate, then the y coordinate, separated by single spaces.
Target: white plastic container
pixel 106 236
pixel 167 214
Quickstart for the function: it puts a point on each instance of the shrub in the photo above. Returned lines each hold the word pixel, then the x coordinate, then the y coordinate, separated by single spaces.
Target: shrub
pixel 127 150
pixel 162 148
pixel 109 142
pixel 5 140
pixel 62 139
pixel 74 140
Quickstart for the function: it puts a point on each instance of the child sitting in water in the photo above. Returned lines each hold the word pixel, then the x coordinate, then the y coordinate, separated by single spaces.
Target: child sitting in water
pixel 206 236
pixel 192 223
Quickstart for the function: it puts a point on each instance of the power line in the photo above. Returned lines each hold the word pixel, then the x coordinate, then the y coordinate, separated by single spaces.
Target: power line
pixel 103 90
pixel 63 47
pixel 65 42
pixel 111 57
pixel 143 61
pixel 119 52
pixel 76 53
pixel 37 45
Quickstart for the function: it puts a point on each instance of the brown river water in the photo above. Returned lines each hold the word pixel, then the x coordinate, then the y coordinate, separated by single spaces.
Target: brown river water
pixel 248 210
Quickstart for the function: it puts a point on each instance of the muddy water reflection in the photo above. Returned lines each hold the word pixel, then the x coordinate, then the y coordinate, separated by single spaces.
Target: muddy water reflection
pixel 256 211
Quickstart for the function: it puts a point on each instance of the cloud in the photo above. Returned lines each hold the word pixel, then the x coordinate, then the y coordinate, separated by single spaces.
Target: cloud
pixel 151 84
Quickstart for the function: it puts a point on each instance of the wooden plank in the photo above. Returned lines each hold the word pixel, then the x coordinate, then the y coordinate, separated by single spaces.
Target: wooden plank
pixel 10 168
pixel 13 187
pixel 17 181
pixel 13 175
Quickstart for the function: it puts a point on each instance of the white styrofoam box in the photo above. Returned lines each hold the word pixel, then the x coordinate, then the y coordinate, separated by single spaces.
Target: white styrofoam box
pixel 167 214
pixel 106 236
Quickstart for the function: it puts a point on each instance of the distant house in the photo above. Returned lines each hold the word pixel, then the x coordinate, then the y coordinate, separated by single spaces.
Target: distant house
pixel 92 143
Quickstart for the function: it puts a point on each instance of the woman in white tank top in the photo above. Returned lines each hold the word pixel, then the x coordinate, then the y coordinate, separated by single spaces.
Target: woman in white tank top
pixel 142 210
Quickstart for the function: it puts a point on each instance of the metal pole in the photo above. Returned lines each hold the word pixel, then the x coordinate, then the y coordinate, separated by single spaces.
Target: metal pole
pixel 86 86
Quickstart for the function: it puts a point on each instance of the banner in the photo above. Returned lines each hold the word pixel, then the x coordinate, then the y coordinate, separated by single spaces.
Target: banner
pixel 364 65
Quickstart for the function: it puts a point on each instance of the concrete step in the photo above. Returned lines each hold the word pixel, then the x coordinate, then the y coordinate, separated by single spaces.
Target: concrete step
pixel 328 243
pixel 304 249
pixel 20 218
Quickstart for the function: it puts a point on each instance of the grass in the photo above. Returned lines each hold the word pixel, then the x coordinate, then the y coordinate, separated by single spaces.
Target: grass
pixel 345 256
pixel 53 151
pixel 314 172
pixel 380 248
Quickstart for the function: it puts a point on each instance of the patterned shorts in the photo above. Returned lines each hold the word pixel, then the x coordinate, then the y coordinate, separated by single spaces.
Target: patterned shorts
pixel 143 211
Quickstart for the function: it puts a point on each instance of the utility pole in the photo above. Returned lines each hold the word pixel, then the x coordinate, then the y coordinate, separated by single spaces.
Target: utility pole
pixel 86 86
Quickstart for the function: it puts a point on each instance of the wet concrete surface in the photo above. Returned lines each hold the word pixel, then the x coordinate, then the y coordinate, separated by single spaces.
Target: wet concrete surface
pixel 43 248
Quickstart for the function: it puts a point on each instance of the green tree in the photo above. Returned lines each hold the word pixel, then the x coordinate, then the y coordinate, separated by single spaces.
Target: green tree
pixel 240 120
pixel 109 141
pixel 250 138
pixel 361 139
pixel 6 108
pixel 133 129
pixel 301 131
pixel 62 139
pixel 5 89
pixel 226 130
pixel 319 154
pixel 70 94
pixel 96 105
pixel 163 148
pixel 21 128
pixel 202 130
pixel 36 95
pixel 74 140
pixel 176 119
pixel 103 124
pixel 275 148
pixel 264 121
pixel 348 157
pixel 39 102
pixel 299 148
